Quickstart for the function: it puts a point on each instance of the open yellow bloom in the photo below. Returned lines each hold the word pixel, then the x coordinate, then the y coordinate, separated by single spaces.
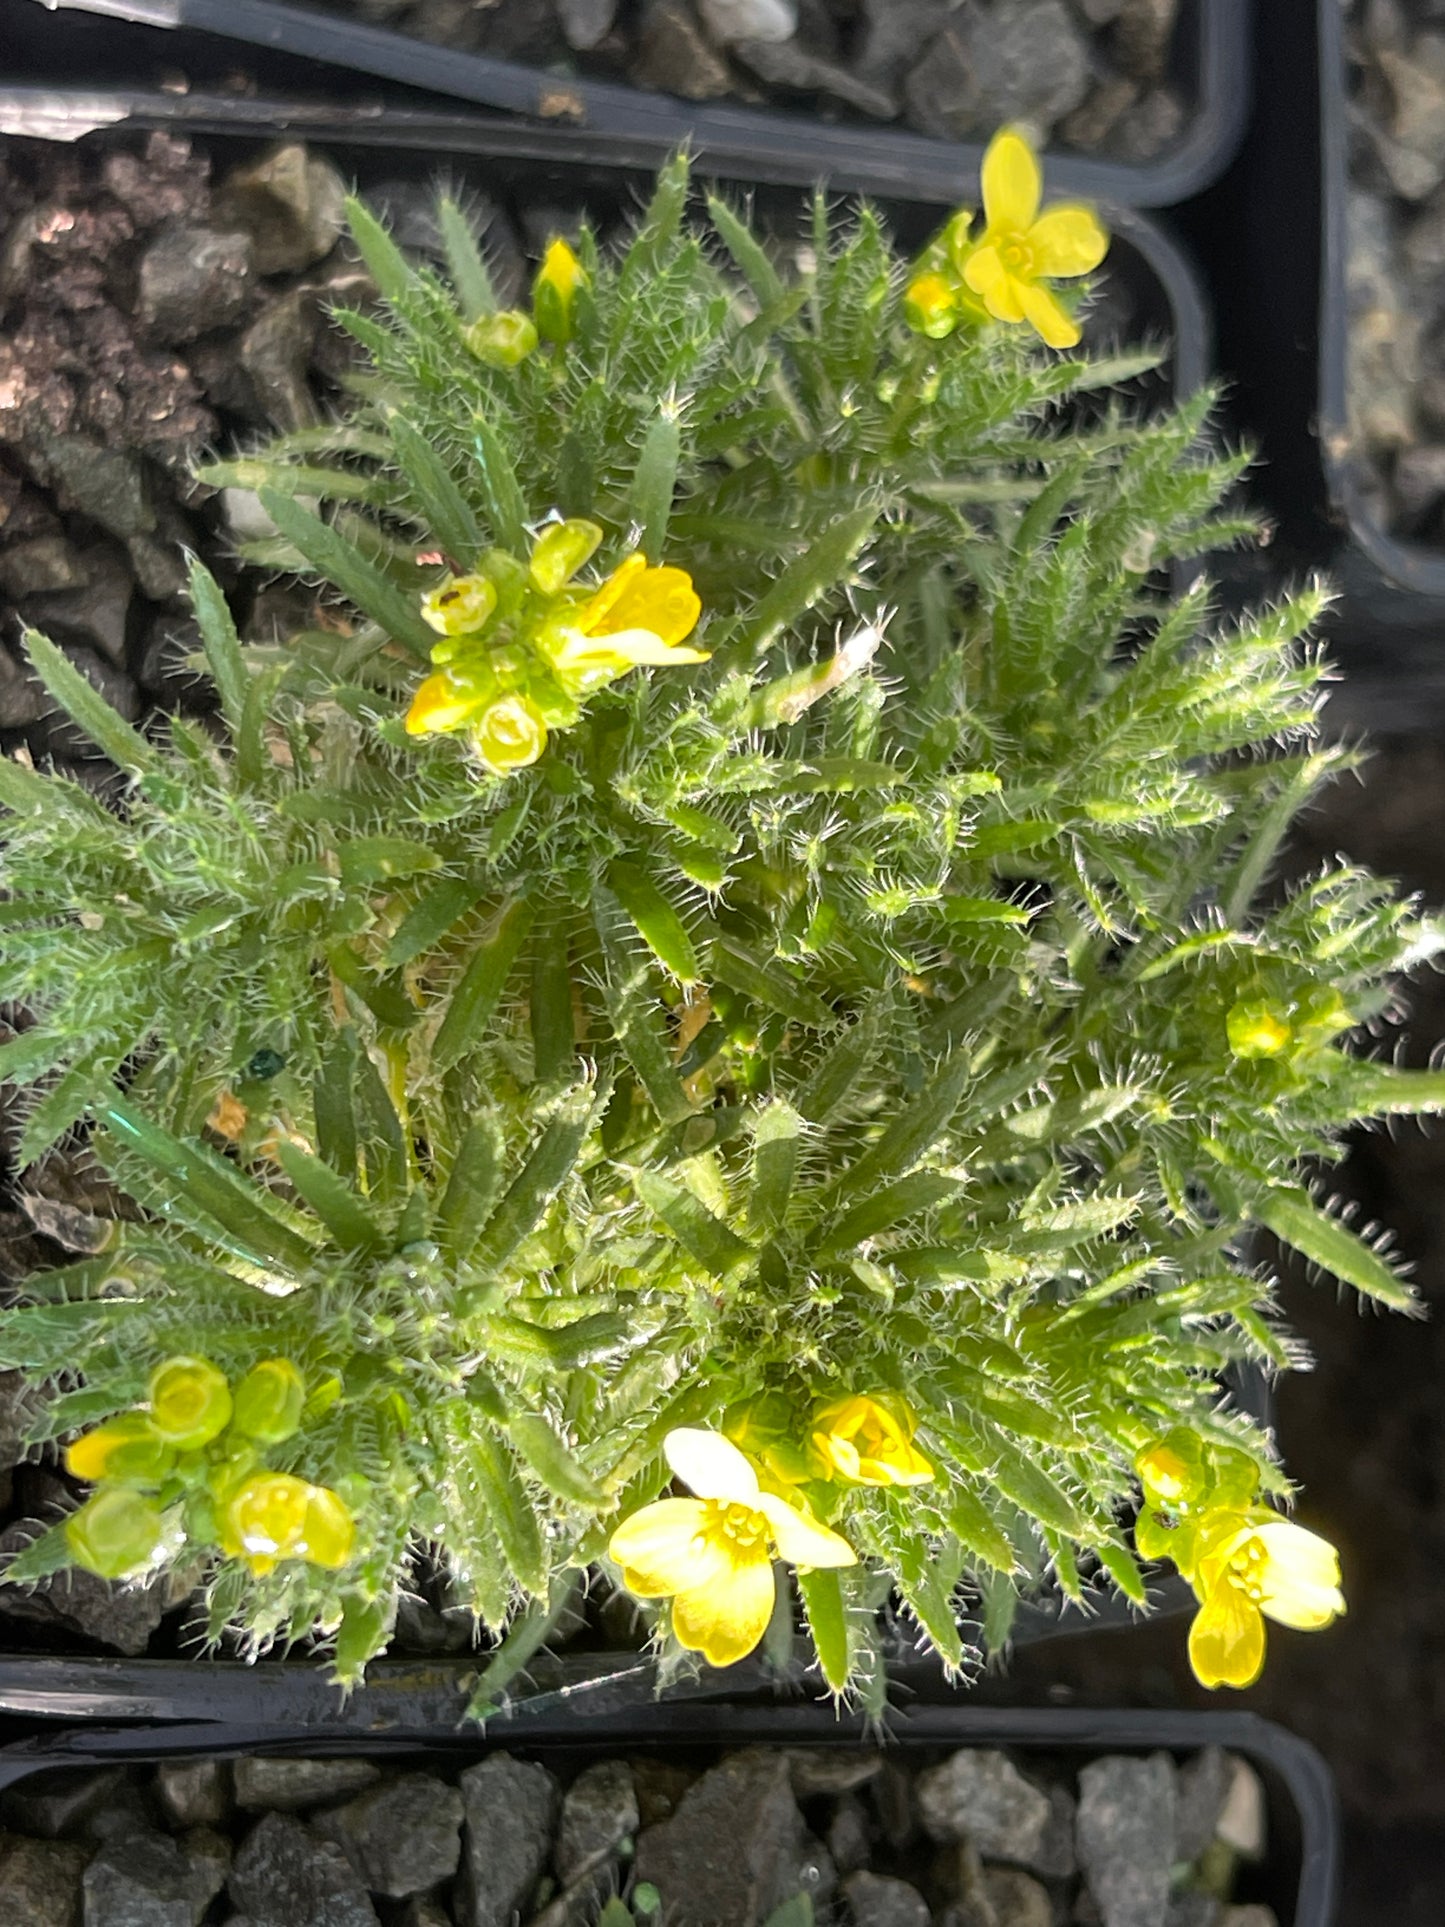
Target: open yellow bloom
pixel 1020 247
pixel 1246 1567
pixel 869 1441
pixel 641 614
pixel 713 1555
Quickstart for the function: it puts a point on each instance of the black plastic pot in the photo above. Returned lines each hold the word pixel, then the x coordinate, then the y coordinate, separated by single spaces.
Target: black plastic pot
pixel 1210 66
pixel 1298 1879
pixel 567 166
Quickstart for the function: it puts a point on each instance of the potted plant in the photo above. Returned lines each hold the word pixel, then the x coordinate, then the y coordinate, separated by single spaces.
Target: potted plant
pixel 732 956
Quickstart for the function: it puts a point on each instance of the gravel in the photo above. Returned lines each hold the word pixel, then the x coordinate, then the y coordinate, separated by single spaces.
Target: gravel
pixel 508 1842
pixel 1089 75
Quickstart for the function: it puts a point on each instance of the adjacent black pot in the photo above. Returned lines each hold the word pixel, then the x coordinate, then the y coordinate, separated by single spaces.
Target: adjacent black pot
pixel 1298 1880
pixel 1211 68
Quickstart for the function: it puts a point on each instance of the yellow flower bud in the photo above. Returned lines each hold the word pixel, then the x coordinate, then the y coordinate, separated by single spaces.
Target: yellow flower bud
pixel 1257 1028
pixel 509 734
pixel 1172 1471
pixel 124 1451
pixel 190 1402
pixel 438 706
pixel 502 340
pixel 273 1516
pixel 869 1441
pixel 268 1401
pixel 559 552
pixel 930 306
pixel 560 279
pixel 116 1533
pixel 460 606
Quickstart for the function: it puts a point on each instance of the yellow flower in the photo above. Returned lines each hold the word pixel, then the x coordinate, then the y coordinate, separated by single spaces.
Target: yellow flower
pixel 1246 1567
pixel 509 734
pixel 116 1533
pixel 869 1441
pixel 502 340
pixel 1257 1028
pixel 272 1516
pixel 930 305
pixel 459 606
pixel 438 706
pixel 1020 247
pixel 639 615
pixel 125 1450
pixel 189 1402
pixel 560 279
pixel 713 1555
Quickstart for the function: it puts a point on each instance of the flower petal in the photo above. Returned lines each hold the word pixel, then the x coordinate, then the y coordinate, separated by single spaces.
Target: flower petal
pixel 803 1541
pixel 1067 240
pixel 664 1549
pixel 437 706
pixel 1042 310
pixel 711 1465
pixel 725 1620
pixel 1226 1641
pixel 645 645
pixel 594 610
pixel 1012 183
pixel 662 601
pixel 991 281
pixel 1301 1581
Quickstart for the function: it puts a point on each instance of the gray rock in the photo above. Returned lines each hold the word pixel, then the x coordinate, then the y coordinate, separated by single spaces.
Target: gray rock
pixel 46 562
pixel 66 1226
pixel 1054 1857
pixel 959 1874
pixel 675 56
pixel 1385 333
pixel 1017 1899
pixel 1194 1910
pixel 148 1880
pixel 815 1877
pixel 660 1786
pixel 1254 1915
pixel 124 1816
pixel 193 279
pixel 579 1904
pixel 107 484
pixel 1241 1824
pixel 123 1617
pixel 40 1881
pixel 1090 127
pixel 284 1875
pixel 511 1811
pixel 1417 123
pixel 789 67
pixel 94 610
pixel 980 1795
pixel 1143 32
pixel 56 1803
pixel 733 1849
pixel 158 561
pixel 1201 1790
pixel 276 354
pixel 832 1770
pixel 264 1784
pixel 599 1810
pixel 1148 127
pixel 421 1913
pixel 1099 13
pixel 586 22
pixel 1025 60
pixel 729 21
pixel 850 1838
pixel 22 700
pixel 194 1793
pixel 1126 1836
pixel 874 1900
pixel 1423 245
pixel 402 1837
pixel 167 182
pixel 893 31
pixel 291 203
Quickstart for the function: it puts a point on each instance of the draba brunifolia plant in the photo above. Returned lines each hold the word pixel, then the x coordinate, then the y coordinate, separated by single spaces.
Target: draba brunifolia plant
pixel 736 955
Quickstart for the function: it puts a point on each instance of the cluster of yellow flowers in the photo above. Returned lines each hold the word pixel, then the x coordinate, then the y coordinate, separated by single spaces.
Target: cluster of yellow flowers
pixel 186 1466
pixel 712 1555
pixel 1245 1562
pixel 522 646
pixel 1000 273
